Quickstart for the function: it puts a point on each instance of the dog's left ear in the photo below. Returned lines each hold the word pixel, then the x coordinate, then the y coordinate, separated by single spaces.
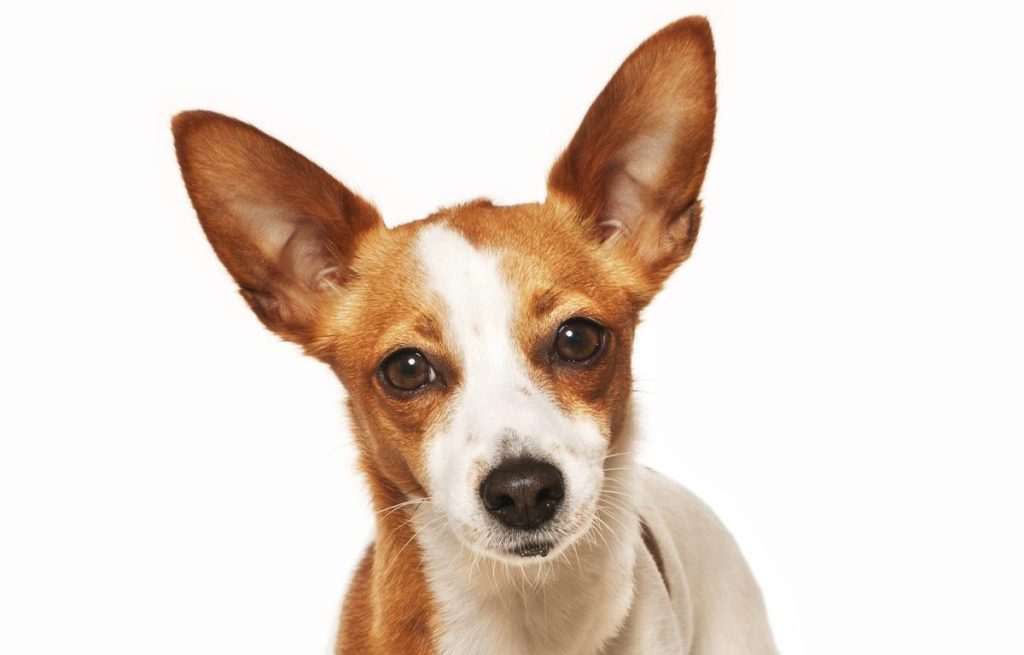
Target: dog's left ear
pixel 634 168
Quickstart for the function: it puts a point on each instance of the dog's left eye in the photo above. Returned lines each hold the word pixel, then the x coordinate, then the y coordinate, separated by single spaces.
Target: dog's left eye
pixel 407 370
pixel 578 340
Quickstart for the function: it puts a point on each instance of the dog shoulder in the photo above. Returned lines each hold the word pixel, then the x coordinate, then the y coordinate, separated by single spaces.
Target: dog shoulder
pixel 703 560
pixel 685 516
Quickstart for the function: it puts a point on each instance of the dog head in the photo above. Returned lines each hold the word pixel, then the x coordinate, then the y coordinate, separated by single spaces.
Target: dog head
pixel 485 349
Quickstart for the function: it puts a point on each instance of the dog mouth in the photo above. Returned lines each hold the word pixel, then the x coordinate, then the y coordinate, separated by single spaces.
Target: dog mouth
pixel 521 545
pixel 540 549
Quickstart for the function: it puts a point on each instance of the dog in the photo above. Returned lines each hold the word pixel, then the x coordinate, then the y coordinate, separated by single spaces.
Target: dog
pixel 485 352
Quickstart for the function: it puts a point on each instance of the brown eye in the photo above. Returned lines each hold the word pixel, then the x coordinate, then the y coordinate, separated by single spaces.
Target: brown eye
pixel 407 370
pixel 578 340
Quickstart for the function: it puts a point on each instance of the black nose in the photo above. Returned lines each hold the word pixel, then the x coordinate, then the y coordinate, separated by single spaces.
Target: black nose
pixel 523 493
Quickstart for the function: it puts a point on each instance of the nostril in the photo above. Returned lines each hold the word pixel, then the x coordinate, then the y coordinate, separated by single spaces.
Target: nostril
pixel 497 502
pixel 548 495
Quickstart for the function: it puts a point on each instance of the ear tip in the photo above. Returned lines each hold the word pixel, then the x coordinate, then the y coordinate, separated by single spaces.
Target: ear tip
pixel 183 121
pixel 692 28
pixel 693 23
pixel 186 122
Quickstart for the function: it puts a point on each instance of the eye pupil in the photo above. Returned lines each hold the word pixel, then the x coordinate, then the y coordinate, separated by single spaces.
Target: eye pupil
pixel 578 340
pixel 407 370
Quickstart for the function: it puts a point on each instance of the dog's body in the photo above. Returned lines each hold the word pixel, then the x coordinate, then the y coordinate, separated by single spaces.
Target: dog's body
pixel 485 351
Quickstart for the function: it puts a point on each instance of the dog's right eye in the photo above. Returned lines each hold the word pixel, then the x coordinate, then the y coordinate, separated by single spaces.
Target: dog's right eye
pixel 407 370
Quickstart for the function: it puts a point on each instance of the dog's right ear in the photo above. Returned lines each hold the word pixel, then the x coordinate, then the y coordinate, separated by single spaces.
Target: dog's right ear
pixel 282 226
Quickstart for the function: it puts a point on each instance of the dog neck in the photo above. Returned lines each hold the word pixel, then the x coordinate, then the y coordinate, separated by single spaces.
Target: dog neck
pixel 574 603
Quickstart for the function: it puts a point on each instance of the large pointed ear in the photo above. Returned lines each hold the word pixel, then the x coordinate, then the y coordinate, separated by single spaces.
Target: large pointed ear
pixel 632 172
pixel 283 227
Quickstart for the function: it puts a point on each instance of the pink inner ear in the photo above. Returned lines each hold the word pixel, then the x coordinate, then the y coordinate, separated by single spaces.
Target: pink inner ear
pixel 307 254
pixel 636 212
pixel 610 228
pixel 636 172
pixel 297 246
pixel 624 204
pixel 300 264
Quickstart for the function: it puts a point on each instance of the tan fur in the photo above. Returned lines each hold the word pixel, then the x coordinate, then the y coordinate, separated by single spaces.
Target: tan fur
pixel 388 608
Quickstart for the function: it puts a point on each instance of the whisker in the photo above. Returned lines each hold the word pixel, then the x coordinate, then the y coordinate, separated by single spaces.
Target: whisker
pixel 620 454
pixel 398 506
pixel 620 468
pixel 415 533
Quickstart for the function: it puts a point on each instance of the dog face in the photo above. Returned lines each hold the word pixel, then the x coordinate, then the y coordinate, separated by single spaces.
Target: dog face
pixel 485 349
pixel 506 340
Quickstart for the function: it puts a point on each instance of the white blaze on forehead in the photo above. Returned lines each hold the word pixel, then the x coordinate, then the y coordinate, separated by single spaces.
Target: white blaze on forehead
pixel 478 322
pixel 477 299
pixel 497 406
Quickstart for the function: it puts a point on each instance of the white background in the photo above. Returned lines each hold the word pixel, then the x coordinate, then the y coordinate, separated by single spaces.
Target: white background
pixel 837 371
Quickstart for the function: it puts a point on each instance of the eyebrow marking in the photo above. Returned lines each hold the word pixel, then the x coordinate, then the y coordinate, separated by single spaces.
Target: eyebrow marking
pixel 545 302
pixel 427 327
